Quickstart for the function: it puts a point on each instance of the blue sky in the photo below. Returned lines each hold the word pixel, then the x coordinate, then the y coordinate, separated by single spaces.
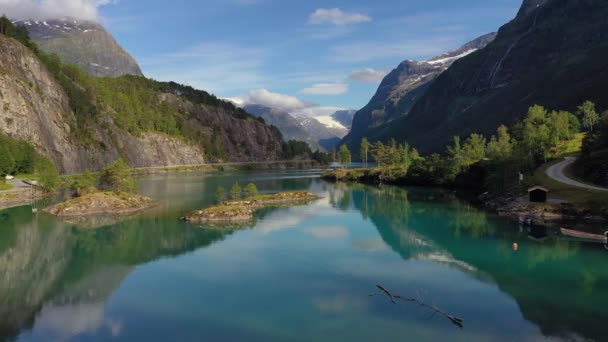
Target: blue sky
pixel 290 52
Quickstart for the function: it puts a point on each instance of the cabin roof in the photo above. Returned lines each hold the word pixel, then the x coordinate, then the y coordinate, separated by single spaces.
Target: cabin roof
pixel 538 188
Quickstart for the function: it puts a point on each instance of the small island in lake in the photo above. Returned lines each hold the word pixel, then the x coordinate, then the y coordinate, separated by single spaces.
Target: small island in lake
pixel 108 194
pixel 243 210
pixel 102 203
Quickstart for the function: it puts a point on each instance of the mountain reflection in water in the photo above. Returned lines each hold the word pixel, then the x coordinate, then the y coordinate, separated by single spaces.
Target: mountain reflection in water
pixel 295 273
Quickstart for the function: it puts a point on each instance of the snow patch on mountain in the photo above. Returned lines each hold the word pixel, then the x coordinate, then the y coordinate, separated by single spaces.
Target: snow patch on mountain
pixel 450 59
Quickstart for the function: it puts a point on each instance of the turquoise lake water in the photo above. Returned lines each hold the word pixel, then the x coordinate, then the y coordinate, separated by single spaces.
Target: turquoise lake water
pixel 297 274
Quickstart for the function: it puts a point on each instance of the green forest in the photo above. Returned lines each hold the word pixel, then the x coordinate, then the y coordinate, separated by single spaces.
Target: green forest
pixel 18 156
pixel 541 135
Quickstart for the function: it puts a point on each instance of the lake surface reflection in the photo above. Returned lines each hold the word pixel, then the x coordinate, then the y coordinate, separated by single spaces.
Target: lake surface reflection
pixel 296 274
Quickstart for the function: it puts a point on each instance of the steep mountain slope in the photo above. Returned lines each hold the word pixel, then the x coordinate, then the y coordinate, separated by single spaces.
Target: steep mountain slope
pixel 402 88
pixel 287 124
pixel 553 53
pixel 146 122
pixel 84 43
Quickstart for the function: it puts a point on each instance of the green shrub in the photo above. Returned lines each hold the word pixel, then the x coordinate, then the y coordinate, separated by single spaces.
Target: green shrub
pixel 220 194
pixel 236 191
pixel 117 177
pixel 84 184
pixel 47 173
pixel 251 190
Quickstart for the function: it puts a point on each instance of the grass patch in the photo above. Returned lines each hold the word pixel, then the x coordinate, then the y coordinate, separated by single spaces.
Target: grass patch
pixel 585 198
pixel 8 196
pixel 5 186
pixel 223 210
pixel 31 176
pixel 572 147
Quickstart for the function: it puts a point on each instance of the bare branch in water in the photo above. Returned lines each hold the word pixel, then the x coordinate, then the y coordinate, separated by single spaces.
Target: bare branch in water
pixel 459 322
pixel 390 296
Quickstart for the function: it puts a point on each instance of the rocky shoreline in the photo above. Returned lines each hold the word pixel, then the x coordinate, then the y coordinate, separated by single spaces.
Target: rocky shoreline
pixel 18 197
pixel 243 210
pixel 552 211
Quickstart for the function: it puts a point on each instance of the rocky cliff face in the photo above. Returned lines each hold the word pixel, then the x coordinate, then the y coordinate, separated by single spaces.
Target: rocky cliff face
pixel 402 88
pixel 553 53
pixel 84 43
pixel 35 108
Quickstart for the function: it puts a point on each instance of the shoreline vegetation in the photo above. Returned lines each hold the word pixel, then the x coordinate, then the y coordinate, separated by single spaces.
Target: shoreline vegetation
pixel 499 170
pixel 242 210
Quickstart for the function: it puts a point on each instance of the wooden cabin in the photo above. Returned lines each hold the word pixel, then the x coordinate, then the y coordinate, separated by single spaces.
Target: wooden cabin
pixel 538 194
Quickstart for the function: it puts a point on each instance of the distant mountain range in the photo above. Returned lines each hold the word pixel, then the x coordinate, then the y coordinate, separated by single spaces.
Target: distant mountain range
pixel 320 132
pixel 84 43
pixel 324 129
pixel 287 124
pixel 401 89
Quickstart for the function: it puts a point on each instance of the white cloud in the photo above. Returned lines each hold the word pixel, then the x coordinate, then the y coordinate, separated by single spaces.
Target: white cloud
pixel 288 103
pixel 49 9
pixel 267 98
pixel 326 89
pixel 368 75
pixel 336 17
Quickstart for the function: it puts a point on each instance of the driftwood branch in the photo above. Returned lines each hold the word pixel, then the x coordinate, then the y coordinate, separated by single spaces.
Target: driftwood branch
pixel 459 322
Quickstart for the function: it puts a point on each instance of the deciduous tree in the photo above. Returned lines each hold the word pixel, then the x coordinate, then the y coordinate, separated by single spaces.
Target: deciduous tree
pixel 345 156
pixel 589 114
pixel 364 150
pixel 235 191
pixel 251 190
